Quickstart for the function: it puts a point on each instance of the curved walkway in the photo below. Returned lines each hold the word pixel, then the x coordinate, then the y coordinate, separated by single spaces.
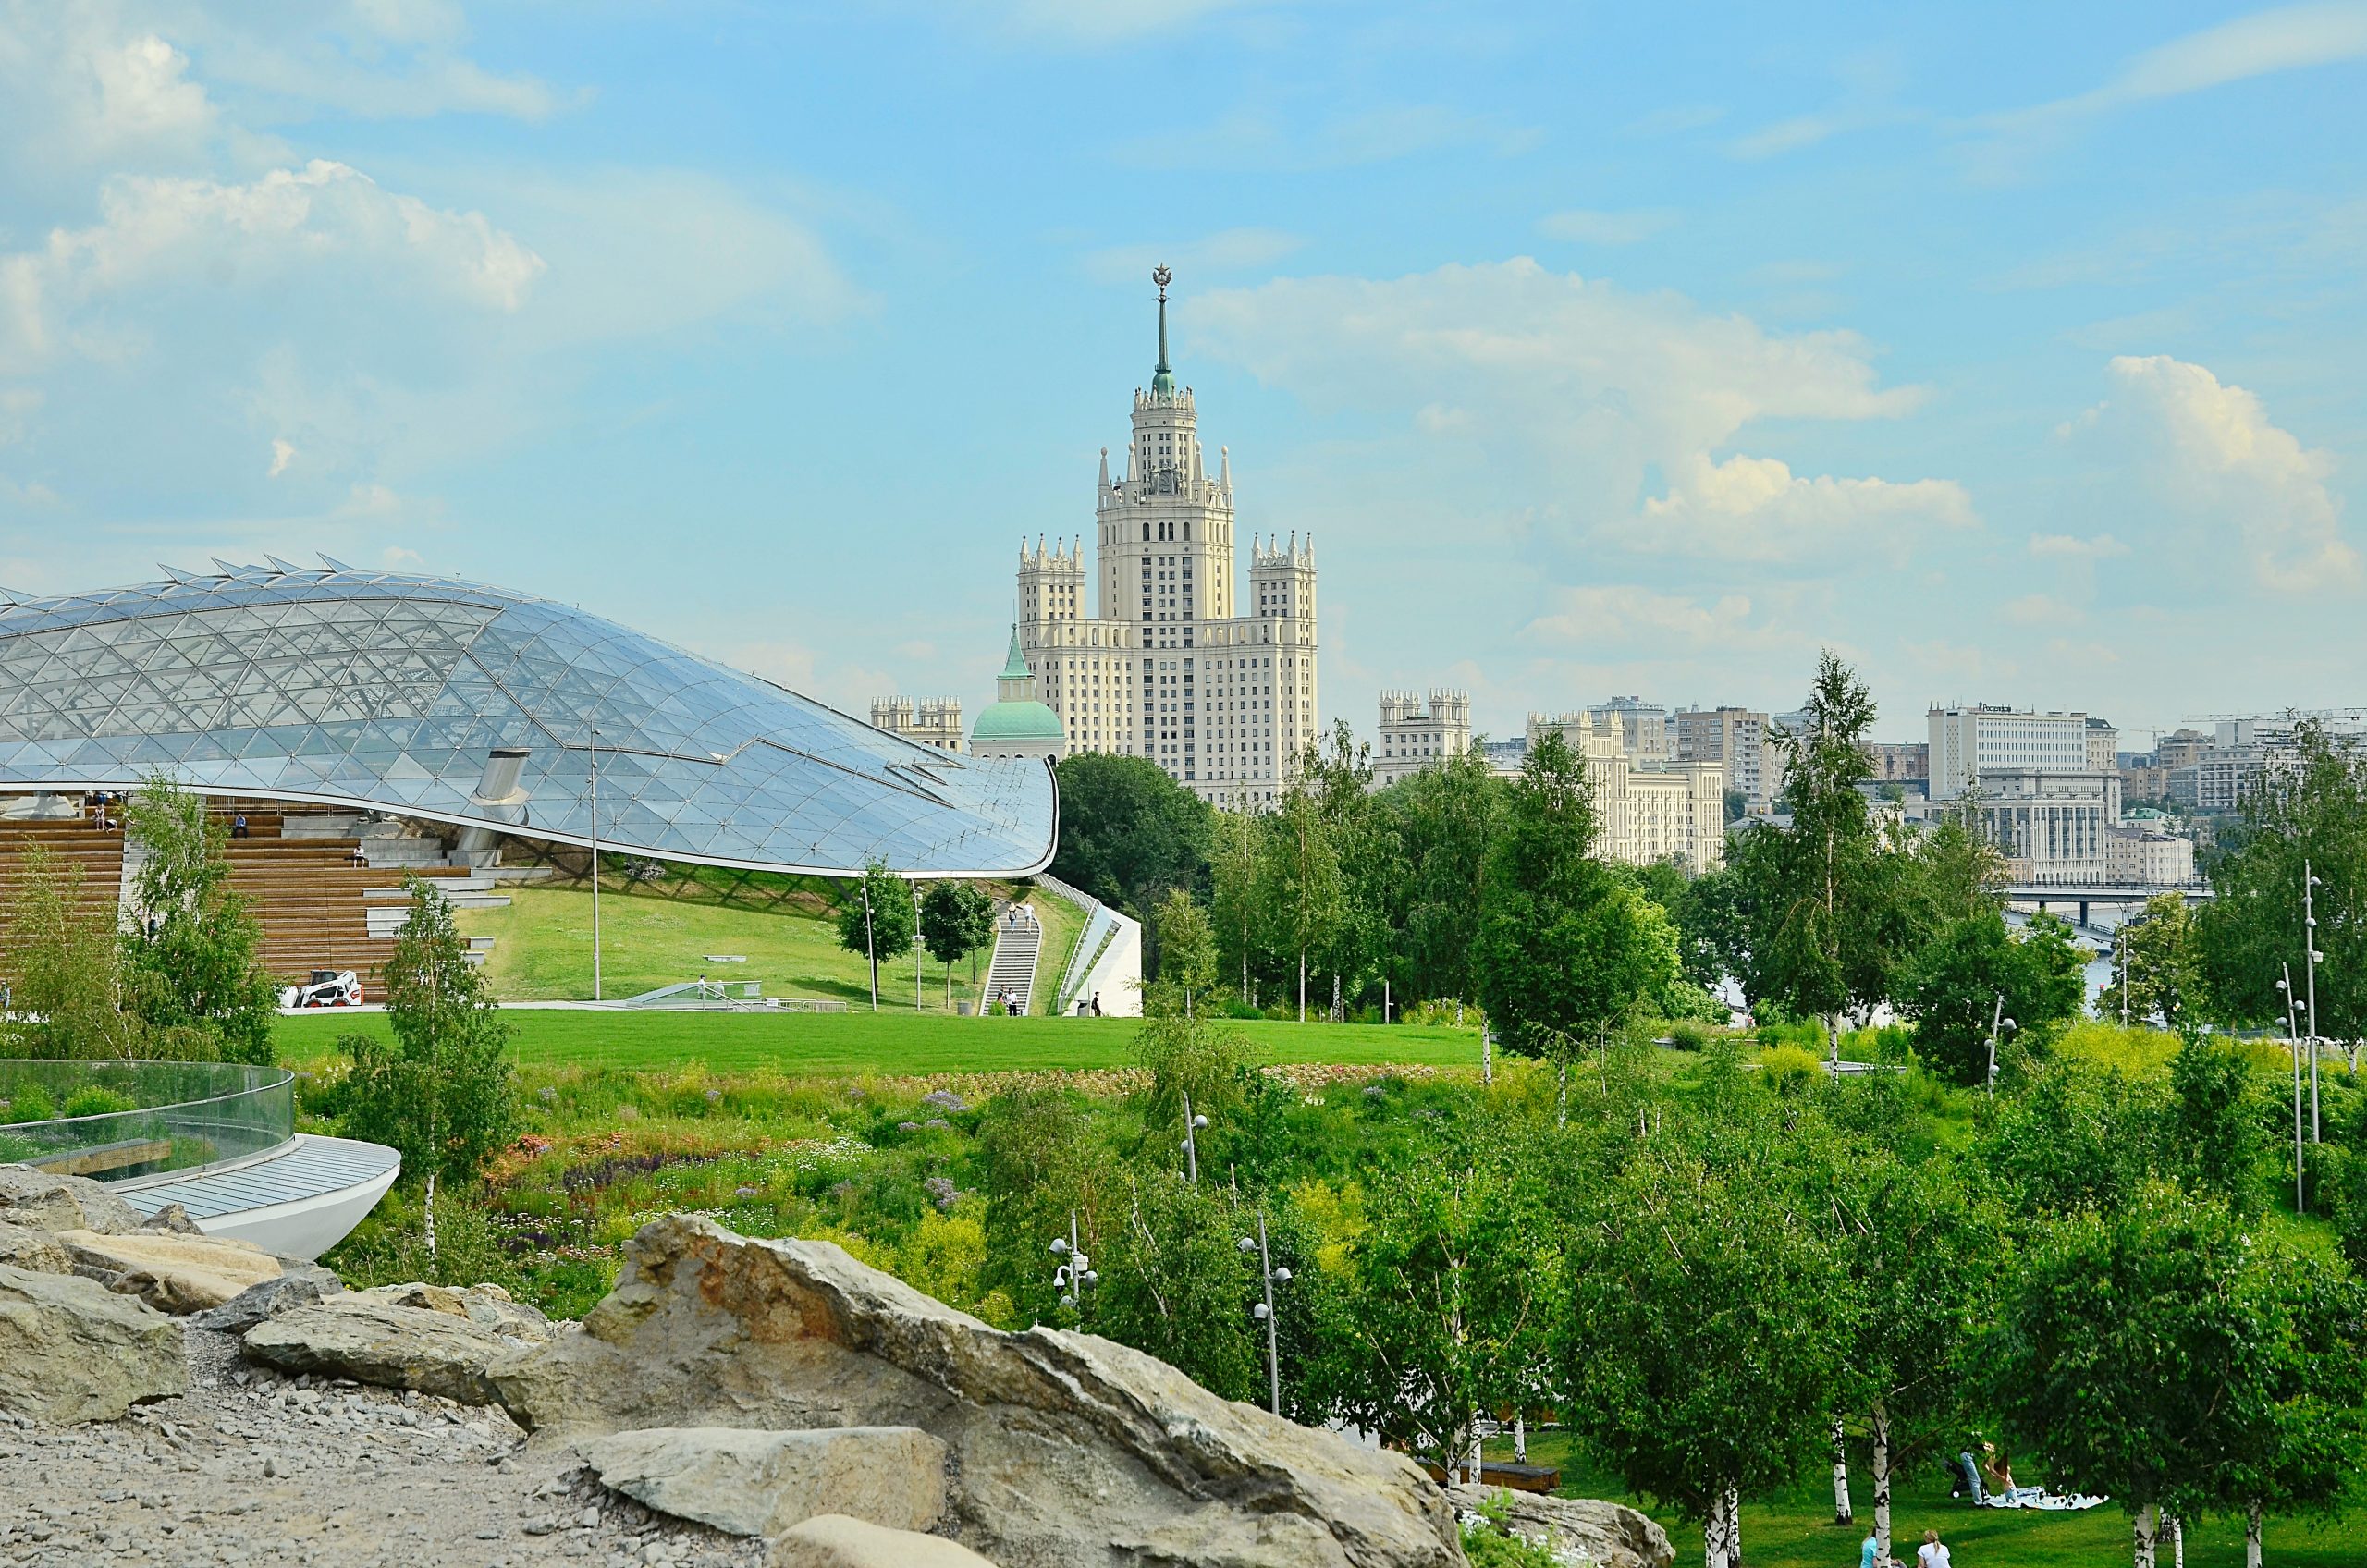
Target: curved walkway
pixel 297 1199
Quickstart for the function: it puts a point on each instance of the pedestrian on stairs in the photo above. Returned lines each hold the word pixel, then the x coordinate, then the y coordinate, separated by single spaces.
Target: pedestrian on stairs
pixel 238 826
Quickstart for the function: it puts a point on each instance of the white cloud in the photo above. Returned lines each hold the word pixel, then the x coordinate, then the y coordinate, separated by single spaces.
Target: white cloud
pixel 1100 23
pixel 2208 451
pixel 1757 509
pixel 1787 136
pixel 1626 616
pixel 2283 39
pixel 2039 609
pixel 2070 547
pixel 162 229
pixel 81 86
pixel 1598 387
pixel 398 557
pixel 282 453
pixel 1232 250
pixel 1583 227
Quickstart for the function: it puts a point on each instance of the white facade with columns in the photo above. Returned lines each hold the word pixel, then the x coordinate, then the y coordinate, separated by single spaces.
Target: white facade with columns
pixel 1173 664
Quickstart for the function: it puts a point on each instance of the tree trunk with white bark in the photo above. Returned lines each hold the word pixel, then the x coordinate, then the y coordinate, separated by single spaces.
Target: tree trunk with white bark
pixel 2251 1535
pixel 1721 1537
pixel 2146 1531
pixel 1880 1435
pixel 1841 1512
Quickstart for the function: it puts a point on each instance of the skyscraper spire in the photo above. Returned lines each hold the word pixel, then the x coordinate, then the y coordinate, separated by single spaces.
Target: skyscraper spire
pixel 1162 381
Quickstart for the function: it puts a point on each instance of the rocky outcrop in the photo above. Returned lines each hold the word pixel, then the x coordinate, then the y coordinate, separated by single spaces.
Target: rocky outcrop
pixel 1577 1530
pixel 36 1252
pixel 428 1338
pixel 833 1540
pixel 171 1271
pixel 44 1202
pixel 71 1351
pixel 299 1284
pixel 757 1483
pixel 1066 1448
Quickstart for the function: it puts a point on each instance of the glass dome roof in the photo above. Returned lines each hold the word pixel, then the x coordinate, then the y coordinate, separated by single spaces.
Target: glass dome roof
pixel 388 691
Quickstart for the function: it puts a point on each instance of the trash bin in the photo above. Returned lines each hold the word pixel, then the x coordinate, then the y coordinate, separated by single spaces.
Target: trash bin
pixel 962 1009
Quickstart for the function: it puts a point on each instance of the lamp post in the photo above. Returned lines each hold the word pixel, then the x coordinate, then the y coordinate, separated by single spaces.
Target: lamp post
pixel 1269 1277
pixel 595 864
pixel 1075 1272
pixel 2293 1040
pixel 2310 948
pixel 870 953
pixel 1192 1125
pixel 1997 1021
pixel 916 944
pixel 2122 936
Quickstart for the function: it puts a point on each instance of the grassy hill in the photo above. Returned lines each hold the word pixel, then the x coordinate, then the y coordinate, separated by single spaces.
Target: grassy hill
pixel 665 933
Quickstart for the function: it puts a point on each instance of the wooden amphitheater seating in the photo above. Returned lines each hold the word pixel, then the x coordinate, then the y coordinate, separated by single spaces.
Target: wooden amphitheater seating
pixel 307 893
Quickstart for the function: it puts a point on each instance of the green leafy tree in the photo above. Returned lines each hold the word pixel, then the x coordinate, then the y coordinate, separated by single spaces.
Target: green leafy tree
pixel 876 918
pixel 194 960
pixel 1338 773
pixel 1920 1246
pixel 1827 920
pixel 1174 1283
pixel 440 1091
pixel 2314 814
pixel 1703 1338
pixel 60 958
pixel 1129 832
pixel 1565 949
pixel 1444 819
pixel 1300 884
pixel 2161 1353
pixel 1441 1308
pixel 2216 1116
pixel 957 919
pixel 2070 1136
pixel 2157 965
pixel 1187 957
pixel 1235 910
pixel 1974 974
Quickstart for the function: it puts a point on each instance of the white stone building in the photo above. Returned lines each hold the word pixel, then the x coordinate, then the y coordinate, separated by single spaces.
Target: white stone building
pixel 1641 729
pixel 2135 855
pixel 2051 827
pixel 1415 734
pixel 1969 741
pixel 1167 664
pixel 1018 723
pixel 931 721
pixel 1675 812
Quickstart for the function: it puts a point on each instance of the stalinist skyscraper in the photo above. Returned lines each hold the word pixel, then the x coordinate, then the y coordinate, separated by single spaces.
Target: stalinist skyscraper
pixel 1217 689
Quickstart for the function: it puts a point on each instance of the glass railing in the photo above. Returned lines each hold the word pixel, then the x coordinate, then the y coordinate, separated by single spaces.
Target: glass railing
pixel 115 1121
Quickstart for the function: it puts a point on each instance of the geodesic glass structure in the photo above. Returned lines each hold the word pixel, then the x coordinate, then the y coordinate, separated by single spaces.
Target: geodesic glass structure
pixel 389 692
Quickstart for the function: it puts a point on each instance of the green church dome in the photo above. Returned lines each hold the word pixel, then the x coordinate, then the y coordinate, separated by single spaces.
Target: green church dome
pixel 1019 717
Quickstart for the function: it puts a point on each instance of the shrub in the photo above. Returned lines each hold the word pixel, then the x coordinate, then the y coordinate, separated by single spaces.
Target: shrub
pixel 1488 1541
pixel 1690 1035
pixel 29 1105
pixel 1789 1070
pixel 95 1101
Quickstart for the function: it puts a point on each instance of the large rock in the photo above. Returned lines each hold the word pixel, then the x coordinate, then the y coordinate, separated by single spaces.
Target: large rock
pixel 72 1351
pixel 488 1306
pixel 170 1272
pixel 1577 1530
pixel 36 1252
pixel 755 1483
pixel 1066 1450
pixel 833 1540
pixel 378 1337
pixel 299 1284
pixel 62 1202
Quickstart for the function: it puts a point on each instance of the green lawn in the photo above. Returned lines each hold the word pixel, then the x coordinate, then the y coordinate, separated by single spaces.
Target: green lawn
pixel 1799 1532
pixel 662 935
pixel 887 1042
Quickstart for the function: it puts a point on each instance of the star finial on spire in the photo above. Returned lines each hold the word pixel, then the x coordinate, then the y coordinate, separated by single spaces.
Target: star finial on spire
pixel 1162 381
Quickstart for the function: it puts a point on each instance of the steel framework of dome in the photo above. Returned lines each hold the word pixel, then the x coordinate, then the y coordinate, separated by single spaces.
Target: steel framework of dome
pixel 390 692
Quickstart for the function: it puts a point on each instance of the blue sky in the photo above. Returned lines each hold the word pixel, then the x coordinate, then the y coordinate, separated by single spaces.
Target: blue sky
pixel 2012 350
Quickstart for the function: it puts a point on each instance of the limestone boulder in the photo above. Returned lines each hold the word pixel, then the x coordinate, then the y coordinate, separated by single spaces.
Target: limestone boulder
pixel 72 1351
pixel 1064 1449
pixel 170 1270
pixel 759 1483
pixel 1577 1530
pixel 36 1252
pixel 488 1306
pixel 300 1284
pixel 44 1202
pixel 373 1337
pixel 833 1540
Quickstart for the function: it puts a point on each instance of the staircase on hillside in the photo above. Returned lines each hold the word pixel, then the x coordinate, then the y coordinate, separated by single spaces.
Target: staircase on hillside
pixel 1018 943
pixel 94 853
